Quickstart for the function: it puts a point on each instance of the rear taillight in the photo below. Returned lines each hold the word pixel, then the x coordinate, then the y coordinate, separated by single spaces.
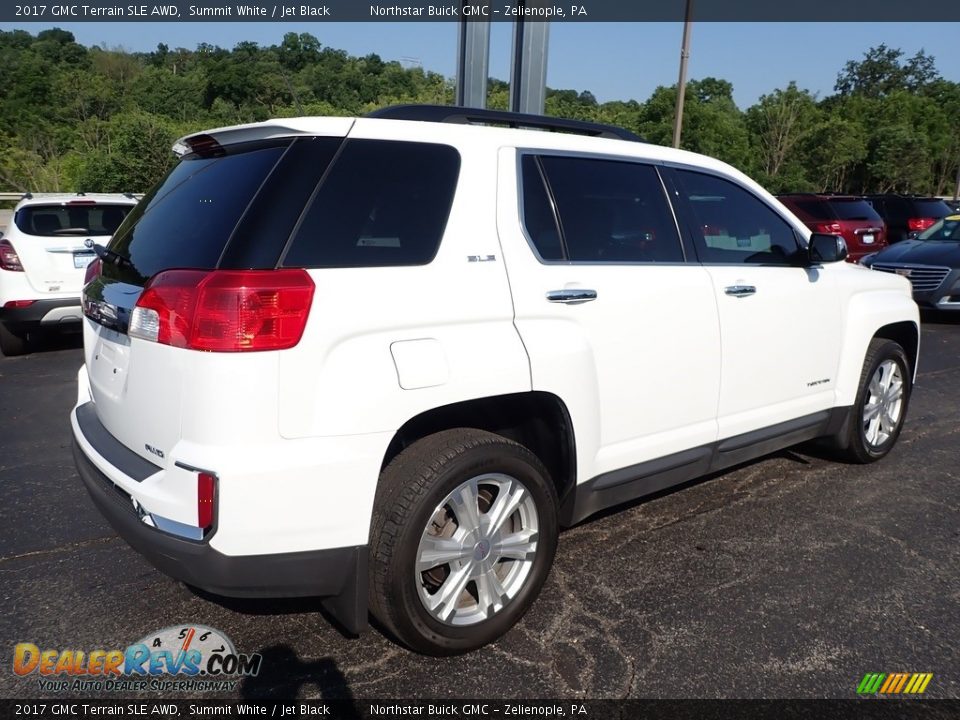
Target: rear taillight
pixel 16 304
pixel 917 224
pixel 9 260
pixel 206 496
pixel 224 310
pixel 92 271
pixel 829 228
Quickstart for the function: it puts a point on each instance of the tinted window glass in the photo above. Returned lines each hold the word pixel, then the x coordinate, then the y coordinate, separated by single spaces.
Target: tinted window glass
pixel 813 209
pixel 931 208
pixel 853 209
pixel 612 211
pixel 382 203
pixel 186 220
pixel 265 228
pixel 538 217
pixel 734 226
pixel 71 219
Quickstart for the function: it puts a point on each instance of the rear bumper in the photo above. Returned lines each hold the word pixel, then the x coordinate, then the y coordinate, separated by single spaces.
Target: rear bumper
pixel 43 313
pixel 338 575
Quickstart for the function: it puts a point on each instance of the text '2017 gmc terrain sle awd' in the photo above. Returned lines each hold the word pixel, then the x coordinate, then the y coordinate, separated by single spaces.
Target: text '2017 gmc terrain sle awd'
pixel 383 360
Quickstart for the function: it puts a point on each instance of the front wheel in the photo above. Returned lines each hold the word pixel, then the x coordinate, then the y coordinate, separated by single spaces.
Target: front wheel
pixel 881 404
pixel 463 536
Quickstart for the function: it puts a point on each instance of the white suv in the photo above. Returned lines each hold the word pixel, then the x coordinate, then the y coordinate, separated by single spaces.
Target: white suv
pixel 382 360
pixel 43 256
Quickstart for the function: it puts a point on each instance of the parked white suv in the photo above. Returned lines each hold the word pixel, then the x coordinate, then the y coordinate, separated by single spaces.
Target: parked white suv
pixel 384 359
pixel 43 255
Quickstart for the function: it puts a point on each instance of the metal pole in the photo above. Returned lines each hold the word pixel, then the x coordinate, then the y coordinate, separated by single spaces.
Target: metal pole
pixel 473 61
pixel 528 70
pixel 956 190
pixel 682 83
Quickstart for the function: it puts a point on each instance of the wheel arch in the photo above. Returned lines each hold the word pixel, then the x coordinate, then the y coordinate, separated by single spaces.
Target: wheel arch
pixel 537 420
pixel 907 335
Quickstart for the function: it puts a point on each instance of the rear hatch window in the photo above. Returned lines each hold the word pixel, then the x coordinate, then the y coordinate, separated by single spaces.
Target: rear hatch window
pixel 853 209
pixel 186 220
pixel 76 217
pixel 931 208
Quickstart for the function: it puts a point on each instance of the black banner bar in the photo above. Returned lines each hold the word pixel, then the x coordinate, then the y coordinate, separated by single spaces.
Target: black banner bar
pixel 504 10
pixel 340 709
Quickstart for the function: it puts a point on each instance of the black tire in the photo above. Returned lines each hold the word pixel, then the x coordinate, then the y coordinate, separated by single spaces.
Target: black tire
pixel 407 505
pixel 857 446
pixel 11 343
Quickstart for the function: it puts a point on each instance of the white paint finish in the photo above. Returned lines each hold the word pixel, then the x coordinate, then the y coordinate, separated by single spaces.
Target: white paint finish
pixel 419 363
pixel 775 343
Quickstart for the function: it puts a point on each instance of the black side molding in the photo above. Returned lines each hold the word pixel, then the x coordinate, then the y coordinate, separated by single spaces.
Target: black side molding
pixel 626 484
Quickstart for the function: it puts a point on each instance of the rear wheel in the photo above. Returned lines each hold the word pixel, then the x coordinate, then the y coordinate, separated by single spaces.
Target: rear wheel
pixel 12 343
pixel 881 405
pixel 463 536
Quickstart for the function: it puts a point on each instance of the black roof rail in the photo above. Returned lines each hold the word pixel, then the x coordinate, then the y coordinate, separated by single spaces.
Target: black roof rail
pixel 468 116
pixel 27 195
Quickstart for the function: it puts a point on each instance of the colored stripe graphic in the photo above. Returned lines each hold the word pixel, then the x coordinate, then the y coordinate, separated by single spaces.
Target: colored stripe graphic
pixel 894 683
pixel 871 682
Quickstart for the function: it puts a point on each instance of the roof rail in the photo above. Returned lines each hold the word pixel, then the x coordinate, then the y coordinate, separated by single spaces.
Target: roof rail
pixel 467 116
pixel 27 196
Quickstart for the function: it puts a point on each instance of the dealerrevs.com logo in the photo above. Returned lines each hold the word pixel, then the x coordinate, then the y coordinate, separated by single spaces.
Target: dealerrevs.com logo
pixel 180 658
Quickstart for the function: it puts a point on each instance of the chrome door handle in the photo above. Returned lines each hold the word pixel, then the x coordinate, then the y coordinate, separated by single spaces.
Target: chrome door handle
pixel 572 296
pixel 740 290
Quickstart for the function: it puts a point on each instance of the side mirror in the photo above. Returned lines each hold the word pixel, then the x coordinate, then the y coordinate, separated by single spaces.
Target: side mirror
pixel 824 248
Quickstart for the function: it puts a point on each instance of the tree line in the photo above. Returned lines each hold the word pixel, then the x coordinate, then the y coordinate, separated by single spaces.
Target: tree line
pixel 94 119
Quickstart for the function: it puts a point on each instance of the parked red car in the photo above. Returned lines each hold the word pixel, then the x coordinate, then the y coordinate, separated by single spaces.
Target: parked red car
pixel 851 217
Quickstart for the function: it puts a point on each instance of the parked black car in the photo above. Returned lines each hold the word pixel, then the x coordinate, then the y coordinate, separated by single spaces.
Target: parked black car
pixel 931 263
pixel 907 216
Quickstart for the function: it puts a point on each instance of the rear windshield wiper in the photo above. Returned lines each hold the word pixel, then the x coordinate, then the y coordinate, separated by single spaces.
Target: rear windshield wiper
pixel 109 256
pixel 72 231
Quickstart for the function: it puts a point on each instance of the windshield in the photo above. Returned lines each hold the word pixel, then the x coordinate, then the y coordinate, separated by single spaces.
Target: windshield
pixel 75 218
pixel 947 229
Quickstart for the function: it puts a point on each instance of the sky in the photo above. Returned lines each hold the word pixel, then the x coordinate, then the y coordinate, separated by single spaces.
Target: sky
pixel 614 61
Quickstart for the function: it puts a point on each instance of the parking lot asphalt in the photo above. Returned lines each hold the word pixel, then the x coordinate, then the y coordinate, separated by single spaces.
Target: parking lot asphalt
pixel 792 576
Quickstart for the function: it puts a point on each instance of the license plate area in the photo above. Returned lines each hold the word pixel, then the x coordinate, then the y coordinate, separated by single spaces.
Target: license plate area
pixel 81 260
pixel 867 238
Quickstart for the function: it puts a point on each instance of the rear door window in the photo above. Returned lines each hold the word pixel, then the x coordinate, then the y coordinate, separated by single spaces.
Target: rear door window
pixel 609 211
pixel 383 203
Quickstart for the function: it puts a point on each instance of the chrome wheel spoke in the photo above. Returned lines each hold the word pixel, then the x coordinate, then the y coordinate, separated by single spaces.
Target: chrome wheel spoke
pixel 444 602
pixel 491 595
pixel 871 411
pixel 435 551
pixel 517 546
pixel 510 497
pixel 465 506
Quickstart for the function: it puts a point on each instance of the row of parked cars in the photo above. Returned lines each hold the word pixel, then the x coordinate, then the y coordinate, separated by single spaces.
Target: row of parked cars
pixel 916 237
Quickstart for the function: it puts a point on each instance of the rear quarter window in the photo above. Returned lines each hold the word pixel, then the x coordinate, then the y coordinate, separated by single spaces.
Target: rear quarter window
pixel 383 203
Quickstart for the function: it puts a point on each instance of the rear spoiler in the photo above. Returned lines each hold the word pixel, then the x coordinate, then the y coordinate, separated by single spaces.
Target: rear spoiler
pixel 287 127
